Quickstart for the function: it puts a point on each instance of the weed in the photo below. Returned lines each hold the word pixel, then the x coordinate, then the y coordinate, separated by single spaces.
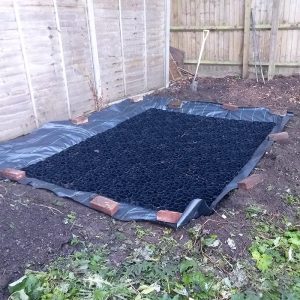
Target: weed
pixel 120 236
pixel 58 203
pixel 141 231
pixel 276 253
pixel 89 276
pixel 169 270
pixel 211 241
pixel 291 199
pixel 70 218
pixel 75 241
pixel 254 211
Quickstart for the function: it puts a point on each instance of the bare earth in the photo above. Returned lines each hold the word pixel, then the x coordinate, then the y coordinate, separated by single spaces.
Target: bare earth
pixel 36 226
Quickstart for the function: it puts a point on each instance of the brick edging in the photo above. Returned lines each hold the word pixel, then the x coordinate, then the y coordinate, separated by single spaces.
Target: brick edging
pixel 175 104
pixel 168 216
pixel 230 106
pixel 105 205
pixel 250 182
pixel 280 137
pixel 80 120
pixel 12 174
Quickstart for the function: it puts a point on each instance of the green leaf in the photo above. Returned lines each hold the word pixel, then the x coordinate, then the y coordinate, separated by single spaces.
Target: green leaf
pixel 239 296
pixel 277 241
pixel 147 289
pixel 181 291
pixel 31 283
pixel 17 285
pixel 211 241
pixel 19 295
pixel 263 261
pixel 100 295
pixel 186 265
pixel 245 296
pixel 295 241
pixel 255 254
pixel 138 297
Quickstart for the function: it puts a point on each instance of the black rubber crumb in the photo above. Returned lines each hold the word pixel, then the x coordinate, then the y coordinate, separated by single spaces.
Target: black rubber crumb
pixel 157 159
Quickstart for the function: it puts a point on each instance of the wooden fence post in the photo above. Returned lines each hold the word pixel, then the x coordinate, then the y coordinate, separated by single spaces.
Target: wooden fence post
pixel 62 57
pixel 122 48
pixel 26 64
pixel 145 48
pixel 94 46
pixel 167 37
pixel 246 37
pixel 273 39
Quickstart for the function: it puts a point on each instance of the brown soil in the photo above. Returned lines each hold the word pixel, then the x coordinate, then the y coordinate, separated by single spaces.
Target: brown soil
pixel 32 222
pixel 281 92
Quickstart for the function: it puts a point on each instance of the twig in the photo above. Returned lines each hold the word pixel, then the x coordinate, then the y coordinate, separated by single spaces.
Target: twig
pixel 224 257
pixel 20 202
pixel 77 225
pixel 132 286
pixel 220 269
pixel 186 71
pixel 49 207
pixel 5 189
pixel 225 222
pixel 73 224
pixel 19 195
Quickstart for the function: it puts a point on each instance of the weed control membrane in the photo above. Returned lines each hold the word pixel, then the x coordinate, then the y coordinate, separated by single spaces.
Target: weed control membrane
pixel 157 159
pixel 147 156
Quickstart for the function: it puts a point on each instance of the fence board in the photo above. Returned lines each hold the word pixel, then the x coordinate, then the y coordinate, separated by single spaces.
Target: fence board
pixel 223 54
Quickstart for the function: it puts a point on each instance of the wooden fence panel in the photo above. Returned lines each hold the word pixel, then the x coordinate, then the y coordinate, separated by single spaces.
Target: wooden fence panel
pixel 16 111
pixel 107 19
pixel 41 45
pixel 155 43
pixel 77 54
pixel 289 40
pixel 64 58
pixel 133 27
pixel 223 54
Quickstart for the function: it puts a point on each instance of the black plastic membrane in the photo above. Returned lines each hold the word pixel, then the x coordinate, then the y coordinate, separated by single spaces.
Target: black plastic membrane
pixel 157 159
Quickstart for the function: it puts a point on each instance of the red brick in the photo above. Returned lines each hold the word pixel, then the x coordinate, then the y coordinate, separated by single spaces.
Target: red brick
pixel 250 182
pixel 80 120
pixel 168 216
pixel 230 106
pixel 280 137
pixel 175 103
pixel 105 205
pixel 13 174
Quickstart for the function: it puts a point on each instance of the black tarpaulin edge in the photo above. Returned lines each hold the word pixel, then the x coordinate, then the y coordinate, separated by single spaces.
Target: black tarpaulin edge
pixel 57 136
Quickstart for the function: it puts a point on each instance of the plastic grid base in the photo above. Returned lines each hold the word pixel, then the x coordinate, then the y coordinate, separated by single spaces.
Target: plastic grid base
pixel 157 159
